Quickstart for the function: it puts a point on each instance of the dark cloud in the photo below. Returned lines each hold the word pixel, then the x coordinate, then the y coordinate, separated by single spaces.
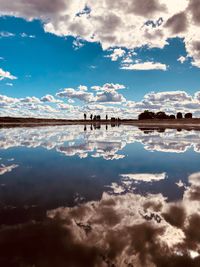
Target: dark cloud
pixel 177 23
pixel 146 7
pixel 194 8
pixel 196 46
pixel 192 231
pixel 175 215
pixel 30 8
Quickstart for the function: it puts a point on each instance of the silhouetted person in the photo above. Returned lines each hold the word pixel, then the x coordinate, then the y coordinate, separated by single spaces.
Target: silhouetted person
pixel 91 117
pixel 95 117
pixel 85 116
pixel 106 117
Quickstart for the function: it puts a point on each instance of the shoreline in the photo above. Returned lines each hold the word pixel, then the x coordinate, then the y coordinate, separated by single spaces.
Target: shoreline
pixel 7 122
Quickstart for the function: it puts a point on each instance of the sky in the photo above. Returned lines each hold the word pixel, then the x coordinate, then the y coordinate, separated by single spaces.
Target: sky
pixel 60 59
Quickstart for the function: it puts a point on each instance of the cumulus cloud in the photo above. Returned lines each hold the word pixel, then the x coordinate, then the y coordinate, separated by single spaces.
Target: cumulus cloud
pixel 6 75
pixel 111 97
pixel 103 100
pixel 49 98
pixel 132 24
pixel 107 87
pixel 76 94
pixel 177 23
pixel 116 54
pixel 106 93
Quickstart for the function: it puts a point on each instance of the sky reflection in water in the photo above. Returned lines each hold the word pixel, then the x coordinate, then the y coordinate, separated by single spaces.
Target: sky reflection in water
pixel 118 196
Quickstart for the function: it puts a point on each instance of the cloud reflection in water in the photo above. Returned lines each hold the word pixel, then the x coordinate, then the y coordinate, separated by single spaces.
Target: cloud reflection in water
pixel 74 140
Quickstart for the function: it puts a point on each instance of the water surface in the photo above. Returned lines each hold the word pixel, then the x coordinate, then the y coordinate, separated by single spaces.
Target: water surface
pixel 115 196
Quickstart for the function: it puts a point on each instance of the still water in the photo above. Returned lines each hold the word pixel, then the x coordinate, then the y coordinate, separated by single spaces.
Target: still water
pixel 113 196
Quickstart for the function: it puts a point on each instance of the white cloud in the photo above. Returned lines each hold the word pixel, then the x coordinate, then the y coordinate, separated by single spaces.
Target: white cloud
pixel 106 93
pixel 110 97
pixel 77 44
pixel 132 24
pixel 103 100
pixel 6 34
pixel 144 177
pixel 30 99
pixel 77 94
pixel 25 35
pixel 65 106
pixel 107 87
pixel 49 98
pixel 4 169
pixel 6 75
pixel 82 88
pixel 182 59
pixel 116 54
pixel 9 84
pixel 144 66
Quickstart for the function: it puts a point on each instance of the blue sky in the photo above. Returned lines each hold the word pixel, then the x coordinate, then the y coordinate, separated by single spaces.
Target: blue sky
pixel 42 61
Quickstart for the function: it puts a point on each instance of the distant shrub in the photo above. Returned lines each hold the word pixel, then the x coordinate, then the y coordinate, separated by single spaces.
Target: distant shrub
pixel 172 117
pixel 179 115
pixel 146 115
pixel 161 115
pixel 188 116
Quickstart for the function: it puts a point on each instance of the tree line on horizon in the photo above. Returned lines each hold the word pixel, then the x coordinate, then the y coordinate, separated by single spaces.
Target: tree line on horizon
pixel 148 115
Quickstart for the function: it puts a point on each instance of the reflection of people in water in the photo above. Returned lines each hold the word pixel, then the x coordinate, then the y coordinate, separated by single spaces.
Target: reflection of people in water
pixel 106 127
pixel 85 128
pixel 91 128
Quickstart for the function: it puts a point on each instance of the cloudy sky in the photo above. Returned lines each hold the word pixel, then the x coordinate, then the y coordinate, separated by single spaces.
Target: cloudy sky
pixel 62 58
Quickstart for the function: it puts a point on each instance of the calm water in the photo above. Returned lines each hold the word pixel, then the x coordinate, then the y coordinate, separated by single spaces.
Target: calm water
pixel 117 196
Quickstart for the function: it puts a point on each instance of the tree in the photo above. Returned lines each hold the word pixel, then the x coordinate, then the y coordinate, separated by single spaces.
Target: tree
pixel 173 117
pixel 161 115
pixel 85 116
pixel 188 116
pixel 106 117
pixel 91 117
pixel 146 115
pixel 179 115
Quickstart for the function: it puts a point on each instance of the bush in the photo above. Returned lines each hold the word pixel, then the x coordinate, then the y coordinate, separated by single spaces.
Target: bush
pixel 146 115
pixel 161 115
pixel 172 117
pixel 179 115
pixel 188 116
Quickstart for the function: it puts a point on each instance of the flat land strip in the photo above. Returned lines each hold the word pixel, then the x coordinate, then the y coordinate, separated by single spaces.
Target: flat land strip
pixel 154 123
